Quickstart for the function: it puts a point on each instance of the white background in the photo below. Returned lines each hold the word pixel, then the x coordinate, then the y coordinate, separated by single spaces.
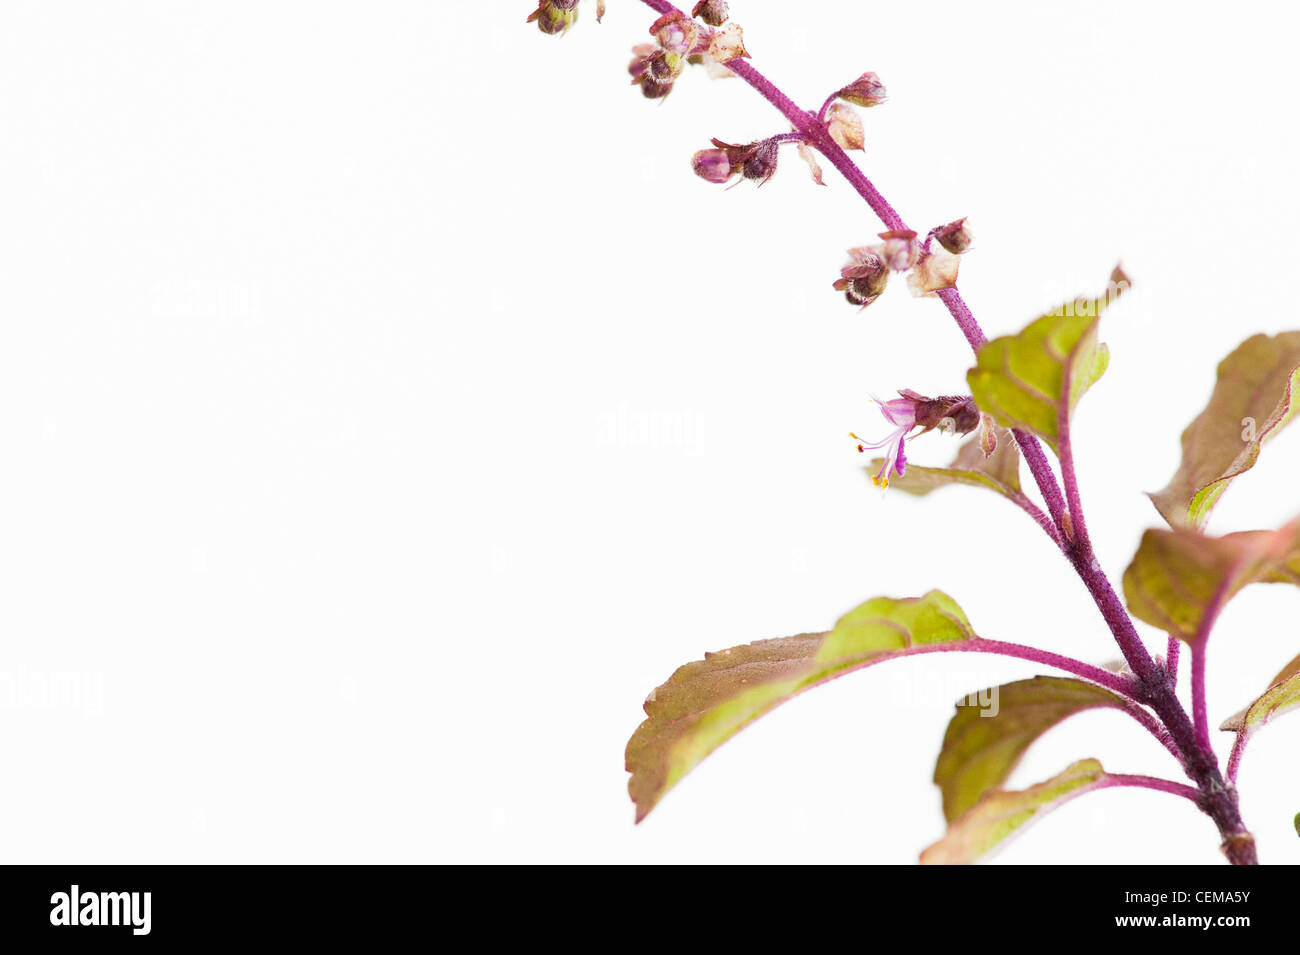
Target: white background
pixel 385 410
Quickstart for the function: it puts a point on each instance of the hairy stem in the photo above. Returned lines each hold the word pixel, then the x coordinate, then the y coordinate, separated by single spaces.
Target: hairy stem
pixel 1041 469
pixel 1208 619
pixel 1155 728
pixel 1200 712
pixel 1111 681
pixel 1234 758
pixel 814 132
pixel 1152 782
pixel 1065 455
pixel 1121 685
pixel 1041 519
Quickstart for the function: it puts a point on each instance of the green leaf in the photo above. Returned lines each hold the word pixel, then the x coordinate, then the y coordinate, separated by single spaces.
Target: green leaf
pixel 999 471
pixel 1254 398
pixel 1001 814
pixel 1178 577
pixel 983 744
pixel 706 702
pixel 1024 380
pixel 1283 694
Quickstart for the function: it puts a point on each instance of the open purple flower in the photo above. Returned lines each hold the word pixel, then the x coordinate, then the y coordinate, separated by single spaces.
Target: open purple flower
pixel 900 412
pixel 909 411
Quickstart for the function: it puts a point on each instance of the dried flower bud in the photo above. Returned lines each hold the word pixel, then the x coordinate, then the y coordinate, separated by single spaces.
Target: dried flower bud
pixel 736 155
pixel 665 67
pixel 956 413
pixel 864 278
pixel 652 88
pixel 654 70
pixel 641 55
pixel 760 164
pixel 809 155
pixel 845 126
pixel 712 12
pixel 899 250
pixel 988 436
pixel 956 236
pixel 934 271
pixel 728 43
pixel 556 16
pixel 712 165
pixel 752 160
pixel 676 33
pixel 1067 525
pixel 866 90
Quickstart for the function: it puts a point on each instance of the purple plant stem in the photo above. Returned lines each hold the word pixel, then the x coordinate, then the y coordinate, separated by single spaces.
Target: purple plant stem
pixel 1041 469
pixel 1041 519
pixel 1155 728
pixel 1234 758
pixel 1065 455
pixel 814 132
pixel 964 318
pixel 1208 618
pixel 1199 709
pixel 1216 799
pixel 1152 782
pixel 1120 685
pixel 1116 617
pixel 830 100
pixel 1171 659
pixel 1111 681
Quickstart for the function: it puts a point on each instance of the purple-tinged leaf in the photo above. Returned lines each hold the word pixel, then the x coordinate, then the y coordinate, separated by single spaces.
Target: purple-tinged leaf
pixel 1026 380
pixel 706 702
pixel 987 736
pixel 1283 694
pixel 999 471
pixel 1179 579
pixel 1255 396
pixel 1001 814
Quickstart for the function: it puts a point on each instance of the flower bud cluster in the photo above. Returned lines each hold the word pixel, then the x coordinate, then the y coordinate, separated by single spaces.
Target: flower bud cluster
pixel 680 40
pixel 930 269
pixel 756 161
